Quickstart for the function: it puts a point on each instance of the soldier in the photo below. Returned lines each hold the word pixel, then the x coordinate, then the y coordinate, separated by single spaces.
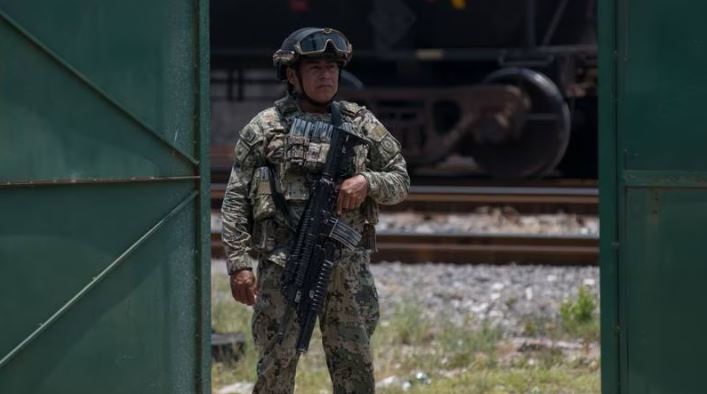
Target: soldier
pixel 268 160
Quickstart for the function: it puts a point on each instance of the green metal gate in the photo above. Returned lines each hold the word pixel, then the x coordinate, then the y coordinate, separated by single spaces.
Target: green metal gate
pixel 653 195
pixel 104 204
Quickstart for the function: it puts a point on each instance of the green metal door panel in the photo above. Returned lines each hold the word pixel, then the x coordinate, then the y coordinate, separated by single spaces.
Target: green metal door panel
pixel 662 84
pixel 653 195
pixel 665 262
pixel 131 50
pixel 104 202
pixel 69 248
pixel 135 332
pixel 59 127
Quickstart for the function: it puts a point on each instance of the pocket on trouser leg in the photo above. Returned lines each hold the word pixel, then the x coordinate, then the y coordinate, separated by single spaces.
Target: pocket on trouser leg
pixel 361 296
pixel 367 300
pixel 269 305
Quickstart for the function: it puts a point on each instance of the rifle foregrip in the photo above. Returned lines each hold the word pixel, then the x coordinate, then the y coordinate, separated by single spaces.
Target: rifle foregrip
pixel 317 297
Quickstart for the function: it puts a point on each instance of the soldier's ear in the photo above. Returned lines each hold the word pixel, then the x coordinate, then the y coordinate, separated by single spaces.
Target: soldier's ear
pixel 292 78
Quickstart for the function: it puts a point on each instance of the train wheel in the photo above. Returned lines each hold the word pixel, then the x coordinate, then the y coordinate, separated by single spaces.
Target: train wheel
pixel 541 133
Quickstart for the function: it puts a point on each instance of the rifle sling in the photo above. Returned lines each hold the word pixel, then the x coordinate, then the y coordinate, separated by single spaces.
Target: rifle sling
pixel 336 119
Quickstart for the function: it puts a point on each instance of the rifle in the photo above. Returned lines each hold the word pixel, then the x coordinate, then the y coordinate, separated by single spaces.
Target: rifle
pixel 319 236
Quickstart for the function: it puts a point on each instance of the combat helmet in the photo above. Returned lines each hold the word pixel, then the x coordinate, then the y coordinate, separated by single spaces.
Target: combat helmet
pixel 311 42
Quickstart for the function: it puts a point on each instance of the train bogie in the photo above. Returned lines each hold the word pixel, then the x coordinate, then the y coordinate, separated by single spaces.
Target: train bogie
pixel 428 67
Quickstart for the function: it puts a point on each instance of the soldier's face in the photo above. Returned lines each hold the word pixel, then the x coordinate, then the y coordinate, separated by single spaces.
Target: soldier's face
pixel 320 79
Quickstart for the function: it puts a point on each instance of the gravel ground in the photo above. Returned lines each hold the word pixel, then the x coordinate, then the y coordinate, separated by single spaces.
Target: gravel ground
pixel 505 296
pixel 493 221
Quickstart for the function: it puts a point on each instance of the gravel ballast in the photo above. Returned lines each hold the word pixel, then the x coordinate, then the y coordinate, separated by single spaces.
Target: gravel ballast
pixel 503 296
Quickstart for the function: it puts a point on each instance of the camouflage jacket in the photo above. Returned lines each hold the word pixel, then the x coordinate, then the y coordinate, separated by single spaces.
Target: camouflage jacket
pixel 252 226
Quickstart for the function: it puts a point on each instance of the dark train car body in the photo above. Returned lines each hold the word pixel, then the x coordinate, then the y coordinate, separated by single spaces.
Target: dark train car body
pixel 410 54
pixel 381 26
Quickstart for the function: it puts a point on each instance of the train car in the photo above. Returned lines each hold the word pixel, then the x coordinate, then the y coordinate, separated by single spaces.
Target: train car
pixel 653 185
pixel 510 85
pixel 104 203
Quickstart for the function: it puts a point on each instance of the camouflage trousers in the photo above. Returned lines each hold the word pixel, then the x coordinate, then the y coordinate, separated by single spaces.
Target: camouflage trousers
pixel 347 320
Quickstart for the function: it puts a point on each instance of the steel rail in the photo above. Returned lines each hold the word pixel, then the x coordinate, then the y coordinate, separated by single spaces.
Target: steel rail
pixel 476 248
pixel 466 248
pixel 582 200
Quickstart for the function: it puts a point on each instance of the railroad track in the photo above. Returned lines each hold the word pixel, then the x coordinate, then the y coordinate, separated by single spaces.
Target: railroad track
pixel 537 199
pixel 465 248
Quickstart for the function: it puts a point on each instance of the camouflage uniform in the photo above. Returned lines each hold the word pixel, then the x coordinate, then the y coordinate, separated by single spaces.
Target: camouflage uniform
pixel 254 231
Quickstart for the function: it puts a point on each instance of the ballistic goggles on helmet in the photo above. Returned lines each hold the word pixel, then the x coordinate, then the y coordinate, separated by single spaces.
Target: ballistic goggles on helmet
pixel 317 43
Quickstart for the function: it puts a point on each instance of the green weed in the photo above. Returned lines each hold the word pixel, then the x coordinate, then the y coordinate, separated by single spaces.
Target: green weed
pixel 579 316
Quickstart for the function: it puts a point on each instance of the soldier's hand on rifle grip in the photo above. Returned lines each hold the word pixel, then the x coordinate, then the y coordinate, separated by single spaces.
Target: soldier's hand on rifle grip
pixel 352 192
pixel 244 286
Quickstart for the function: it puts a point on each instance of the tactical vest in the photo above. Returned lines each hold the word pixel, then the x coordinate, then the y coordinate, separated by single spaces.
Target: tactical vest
pixel 297 160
